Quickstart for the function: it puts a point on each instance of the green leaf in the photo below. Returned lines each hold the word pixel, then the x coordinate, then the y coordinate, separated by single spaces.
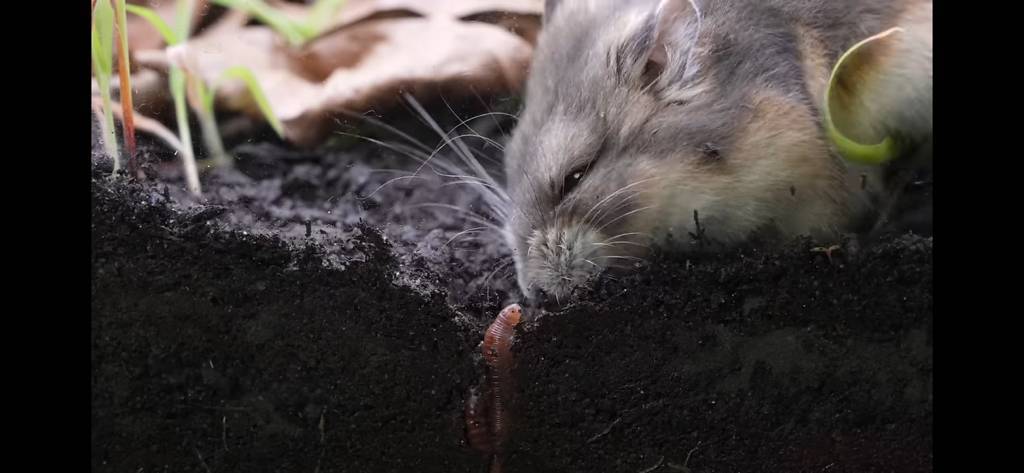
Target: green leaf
pixel 103 38
pixel 183 19
pixel 852 150
pixel 321 14
pixel 295 34
pixel 206 96
pixel 161 26
pixel 245 75
pixel 178 83
pixel 98 64
pixel 102 60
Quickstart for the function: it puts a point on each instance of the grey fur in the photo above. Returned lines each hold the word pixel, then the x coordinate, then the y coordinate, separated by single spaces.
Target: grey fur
pixel 549 8
pixel 591 106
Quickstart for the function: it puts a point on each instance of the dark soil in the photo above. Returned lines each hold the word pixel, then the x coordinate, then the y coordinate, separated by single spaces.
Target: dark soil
pixel 292 319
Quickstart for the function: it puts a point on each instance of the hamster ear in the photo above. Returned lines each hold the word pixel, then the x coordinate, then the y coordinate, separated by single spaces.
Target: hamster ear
pixel 673 26
pixel 671 16
pixel 879 97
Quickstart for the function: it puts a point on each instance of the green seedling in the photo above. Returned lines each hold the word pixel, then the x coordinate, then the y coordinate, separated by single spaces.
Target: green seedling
pixel 102 66
pixel 109 18
pixel 124 73
pixel 177 80
pixel 296 32
pixel 202 99
pixel 188 88
pixel 321 14
pixel 872 153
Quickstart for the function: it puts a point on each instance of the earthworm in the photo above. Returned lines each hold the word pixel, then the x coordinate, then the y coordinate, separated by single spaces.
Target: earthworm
pixel 487 433
pixel 497 348
pixel 478 431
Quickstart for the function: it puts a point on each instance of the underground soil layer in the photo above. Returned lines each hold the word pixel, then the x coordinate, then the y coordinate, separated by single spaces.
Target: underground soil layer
pixel 284 323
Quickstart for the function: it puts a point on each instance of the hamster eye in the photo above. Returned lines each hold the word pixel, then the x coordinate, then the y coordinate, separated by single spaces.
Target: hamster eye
pixel 572 180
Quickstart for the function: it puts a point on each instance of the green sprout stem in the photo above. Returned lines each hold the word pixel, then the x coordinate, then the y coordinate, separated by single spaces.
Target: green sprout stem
pixel 321 13
pixel 177 79
pixel 158 23
pixel 295 32
pixel 199 98
pixel 179 83
pixel 202 99
pixel 124 73
pixel 102 52
pixel 107 128
pixel 195 91
pixel 286 27
pixel 189 89
pixel 249 79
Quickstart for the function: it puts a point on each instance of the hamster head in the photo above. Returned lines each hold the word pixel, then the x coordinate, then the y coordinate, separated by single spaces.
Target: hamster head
pixel 639 113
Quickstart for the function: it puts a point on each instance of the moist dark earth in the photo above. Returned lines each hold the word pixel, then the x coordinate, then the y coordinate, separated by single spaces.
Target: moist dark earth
pixel 297 318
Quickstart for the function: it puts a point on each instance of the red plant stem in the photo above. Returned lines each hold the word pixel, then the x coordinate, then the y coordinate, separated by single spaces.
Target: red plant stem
pixel 124 73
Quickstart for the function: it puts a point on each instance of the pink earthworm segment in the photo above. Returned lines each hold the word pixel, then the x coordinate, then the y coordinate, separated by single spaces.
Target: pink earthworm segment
pixel 489 433
pixel 478 429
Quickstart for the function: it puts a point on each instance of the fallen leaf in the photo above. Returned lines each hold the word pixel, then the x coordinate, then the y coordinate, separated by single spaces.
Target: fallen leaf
pixel 464 8
pixel 367 62
pixel 156 93
pixel 143 36
pixel 520 16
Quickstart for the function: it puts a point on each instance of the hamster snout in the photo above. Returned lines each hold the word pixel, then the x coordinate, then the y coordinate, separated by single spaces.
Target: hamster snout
pixel 560 258
pixel 564 236
pixel 639 114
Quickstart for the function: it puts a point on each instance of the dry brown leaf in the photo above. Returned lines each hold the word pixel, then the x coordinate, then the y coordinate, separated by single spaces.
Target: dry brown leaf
pixel 155 94
pixel 522 17
pixel 291 10
pixel 503 12
pixel 352 11
pixel 379 49
pixel 362 65
pixel 464 8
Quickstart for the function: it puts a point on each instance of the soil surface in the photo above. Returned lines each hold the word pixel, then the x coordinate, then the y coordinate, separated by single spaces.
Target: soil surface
pixel 297 318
